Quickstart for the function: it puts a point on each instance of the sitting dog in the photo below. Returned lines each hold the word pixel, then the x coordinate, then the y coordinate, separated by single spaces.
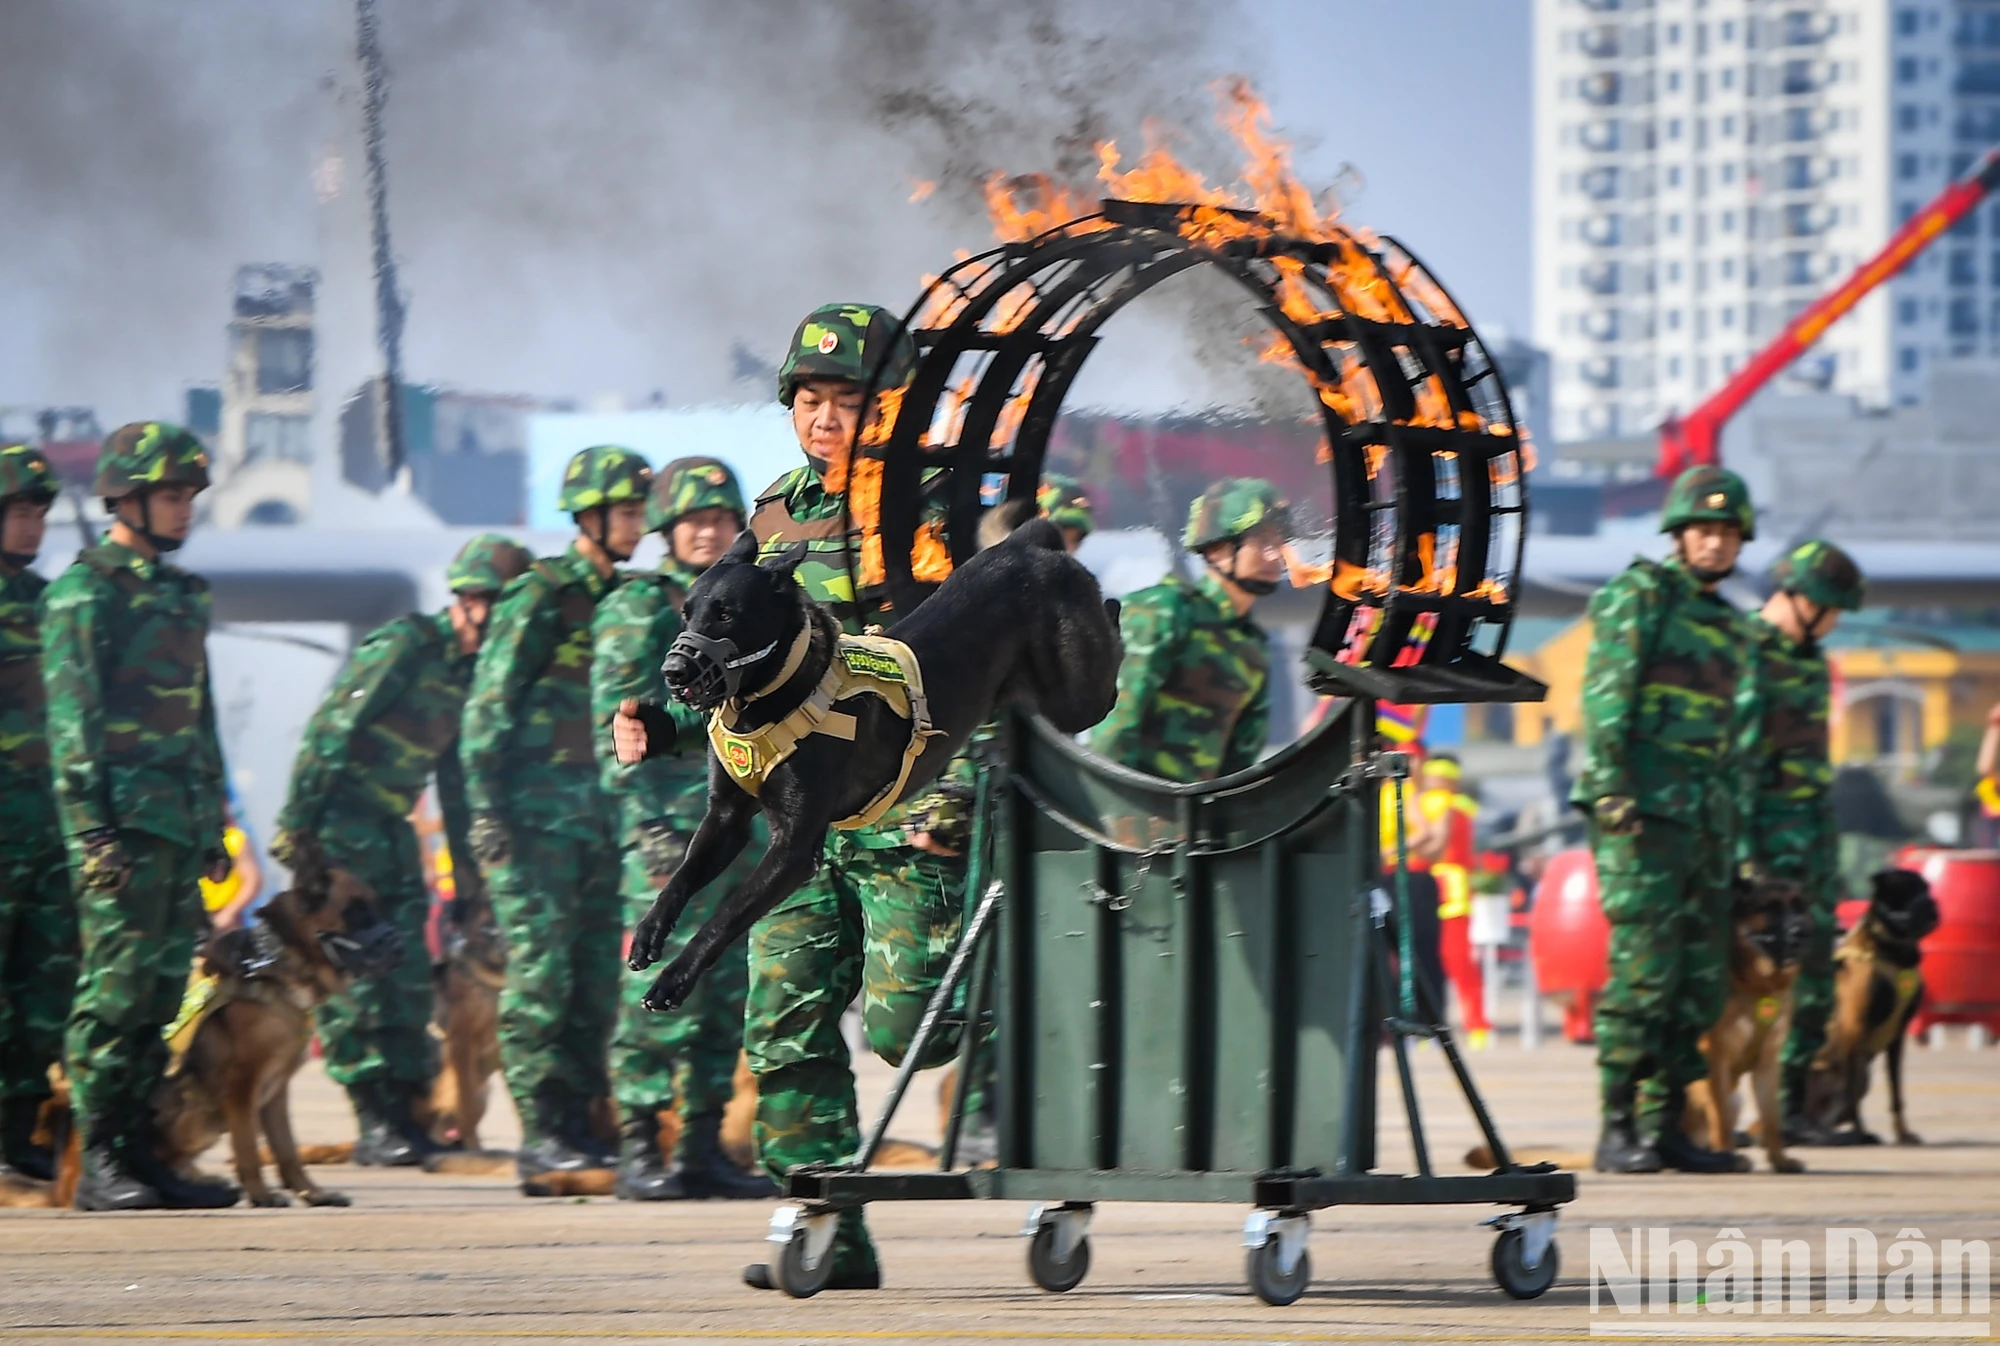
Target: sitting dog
pixel 822 730
pixel 465 1018
pixel 1770 924
pixel 1877 988
pixel 240 1048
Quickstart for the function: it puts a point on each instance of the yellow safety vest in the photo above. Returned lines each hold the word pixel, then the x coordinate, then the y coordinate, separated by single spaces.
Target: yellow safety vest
pixel 861 666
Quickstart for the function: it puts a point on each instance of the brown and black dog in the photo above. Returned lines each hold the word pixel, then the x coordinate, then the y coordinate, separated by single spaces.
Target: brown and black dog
pixel 1770 924
pixel 252 1036
pixel 466 1021
pixel 1877 987
pixel 56 1130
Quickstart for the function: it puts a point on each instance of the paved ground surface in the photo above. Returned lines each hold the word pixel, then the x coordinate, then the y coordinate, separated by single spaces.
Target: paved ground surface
pixel 455 1259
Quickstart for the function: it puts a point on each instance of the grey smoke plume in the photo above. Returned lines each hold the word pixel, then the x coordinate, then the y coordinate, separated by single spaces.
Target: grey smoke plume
pixel 586 197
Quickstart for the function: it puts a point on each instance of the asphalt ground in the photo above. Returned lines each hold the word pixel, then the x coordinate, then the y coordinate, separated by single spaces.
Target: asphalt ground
pixel 455 1259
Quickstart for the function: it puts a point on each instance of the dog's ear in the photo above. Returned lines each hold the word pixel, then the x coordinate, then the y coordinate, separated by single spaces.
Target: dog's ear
pixel 1111 610
pixel 784 564
pixel 743 550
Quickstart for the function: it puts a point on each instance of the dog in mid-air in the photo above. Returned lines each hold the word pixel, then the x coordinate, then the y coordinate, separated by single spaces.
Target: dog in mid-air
pixel 1020 621
pixel 1770 927
pixel 1877 988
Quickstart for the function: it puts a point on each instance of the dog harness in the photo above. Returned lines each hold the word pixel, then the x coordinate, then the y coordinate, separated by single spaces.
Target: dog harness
pixel 1906 982
pixel 861 666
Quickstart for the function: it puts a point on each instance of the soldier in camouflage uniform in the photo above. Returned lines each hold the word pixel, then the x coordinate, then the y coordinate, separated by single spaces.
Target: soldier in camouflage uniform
pixel 1664 707
pixel 1194 692
pixel 1789 830
pixel 390 719
pixel 541 828
pixel 687 1057
pixel 1064 503
pixel 37 917
pixel 883 914
pixel 138 778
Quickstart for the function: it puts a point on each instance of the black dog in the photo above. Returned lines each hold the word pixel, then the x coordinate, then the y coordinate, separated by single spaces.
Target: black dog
pixel 1876 991
pixel 1021 621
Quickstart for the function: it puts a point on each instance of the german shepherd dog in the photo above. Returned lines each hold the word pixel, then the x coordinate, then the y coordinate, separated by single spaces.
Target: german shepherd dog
pixel 1020 621
pixel 1771 924
pixel 234 1078
pixel 465 1018
pixel 1877 989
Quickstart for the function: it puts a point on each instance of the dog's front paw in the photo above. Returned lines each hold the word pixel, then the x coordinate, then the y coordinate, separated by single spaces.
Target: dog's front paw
pixel 671 988
pixel 649 937
pixel 320 1196
pixel 1784 1163
pixel 1908 1138
pixel 269 1199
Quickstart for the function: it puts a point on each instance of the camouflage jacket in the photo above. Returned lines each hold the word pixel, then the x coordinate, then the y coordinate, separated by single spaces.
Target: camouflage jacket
pixel 1788 814
pixel 1194 692
pixel 131 718
pixel 390 719
pixel 1665 696
pixel 798 508
pixel 27 790
pixel 631 632
pixel 526 742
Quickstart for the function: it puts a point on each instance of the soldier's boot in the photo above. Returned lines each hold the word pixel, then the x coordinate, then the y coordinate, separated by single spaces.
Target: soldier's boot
pixel 643 1174
pixel 177 1191
pixel 579 1128
pixel 18 1150
pixel 106 1183
pixel 708 1171
pixel 389 1136
pixel 1619 1147
pixel 543 1146
pixel 1679 1150
pixel 854 1264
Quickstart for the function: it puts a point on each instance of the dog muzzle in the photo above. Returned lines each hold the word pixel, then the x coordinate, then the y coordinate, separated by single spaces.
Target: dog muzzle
pixel 371 952
pixel 703 672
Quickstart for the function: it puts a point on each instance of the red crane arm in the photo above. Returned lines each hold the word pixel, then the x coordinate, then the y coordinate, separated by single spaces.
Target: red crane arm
pixel 1696 437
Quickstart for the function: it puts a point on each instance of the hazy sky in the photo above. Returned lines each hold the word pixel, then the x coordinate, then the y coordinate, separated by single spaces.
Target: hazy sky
pixel 603 197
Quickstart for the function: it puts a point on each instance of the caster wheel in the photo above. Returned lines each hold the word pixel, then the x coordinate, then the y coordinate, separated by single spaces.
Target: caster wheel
pixel 789 1270
pixel 1271 1282
pixel 1052 1273
pixel 1514 1275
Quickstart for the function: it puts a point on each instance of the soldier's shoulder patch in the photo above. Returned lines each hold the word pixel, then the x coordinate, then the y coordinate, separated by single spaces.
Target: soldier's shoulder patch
pixel 872 663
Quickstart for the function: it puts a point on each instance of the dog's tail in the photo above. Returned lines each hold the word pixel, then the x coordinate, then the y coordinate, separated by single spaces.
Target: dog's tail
pixel 314 1155
pixel 471 1163
pixel 578 1182
pixel 1480 1158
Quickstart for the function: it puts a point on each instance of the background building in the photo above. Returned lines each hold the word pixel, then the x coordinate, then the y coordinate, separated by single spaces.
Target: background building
pixel 1705 168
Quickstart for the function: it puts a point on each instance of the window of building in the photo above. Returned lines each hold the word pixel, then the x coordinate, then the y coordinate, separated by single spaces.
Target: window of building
pixel 1673 81
pixel 1729 173
pixel 1964 319
pixel 1908 165
pixel 1601 89
pixel 1908 21
pixel 1799 77
pixel 284 360
pixel 1799 123
pixel 1728 268
pixel 1673 128
pixel 1728 317
pixel 1905 209
pixel 1673 273
pixel 283 438
pixel 1673 224
pixel 1728 221
pixel 1673 366
pixel 1907 69
pixel 1728 30
pixel 1799 268
pixel 1964 267
pixel 1673 320
pixel 1909 117
pixel 1673 35
pixel 1908 311
pixel 1674 175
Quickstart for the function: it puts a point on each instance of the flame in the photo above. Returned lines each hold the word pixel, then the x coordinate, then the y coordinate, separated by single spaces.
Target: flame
pixel 921 188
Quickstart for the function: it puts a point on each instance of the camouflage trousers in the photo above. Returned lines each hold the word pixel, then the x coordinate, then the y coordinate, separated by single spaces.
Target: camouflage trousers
pixel 378 1031
pixel 37 965
pixel 1666 894
pixel 687 1057
pixel 137 946
pixel 882 923
pixel 557 903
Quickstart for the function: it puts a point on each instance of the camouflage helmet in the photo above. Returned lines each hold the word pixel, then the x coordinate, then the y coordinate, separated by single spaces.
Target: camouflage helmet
pixel 855 342
pixel 1708 494
pixel 24 472
pixel 604 475
pixel 145 454
pixel 1822 573
pixel 688 484
pixel 1063 502
pixel 1231 508
pixel 485 564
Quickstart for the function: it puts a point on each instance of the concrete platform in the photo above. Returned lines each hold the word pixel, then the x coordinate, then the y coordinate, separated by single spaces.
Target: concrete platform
pixel 456 1259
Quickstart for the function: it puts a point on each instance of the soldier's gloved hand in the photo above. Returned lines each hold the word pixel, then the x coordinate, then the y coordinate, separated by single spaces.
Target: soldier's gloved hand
pixel 1750 873
pixel 662 847
pixel 491 844
pixel 1618 815
pixel 641 729
pixel 941 821
pixel 216 863
pixel 105 864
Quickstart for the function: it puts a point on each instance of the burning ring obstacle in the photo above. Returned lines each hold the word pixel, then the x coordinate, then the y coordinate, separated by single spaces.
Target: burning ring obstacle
pixel 1427 462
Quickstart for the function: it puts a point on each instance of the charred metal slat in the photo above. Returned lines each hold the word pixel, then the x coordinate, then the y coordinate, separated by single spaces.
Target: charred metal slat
pixel 1519 1187
pixel 847 1185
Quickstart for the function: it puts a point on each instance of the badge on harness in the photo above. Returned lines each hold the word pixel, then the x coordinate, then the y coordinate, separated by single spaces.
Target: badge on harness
pixel 738 756
pixel 881 667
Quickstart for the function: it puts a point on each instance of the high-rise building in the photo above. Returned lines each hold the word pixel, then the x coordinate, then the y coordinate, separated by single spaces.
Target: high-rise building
pixel 1706 168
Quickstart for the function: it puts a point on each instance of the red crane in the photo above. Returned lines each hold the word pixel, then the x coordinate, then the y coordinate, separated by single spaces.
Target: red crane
pixel 1697 437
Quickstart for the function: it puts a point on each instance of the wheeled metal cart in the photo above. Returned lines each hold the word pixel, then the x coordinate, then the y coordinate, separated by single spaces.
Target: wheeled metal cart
pixel 1193 986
